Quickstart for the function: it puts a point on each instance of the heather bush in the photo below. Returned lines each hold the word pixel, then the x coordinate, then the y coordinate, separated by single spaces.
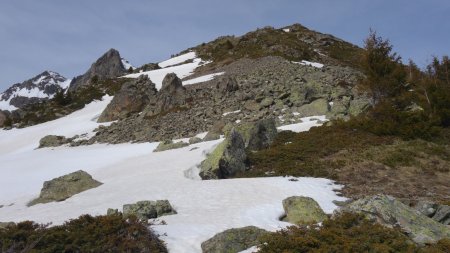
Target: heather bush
pixel 85 234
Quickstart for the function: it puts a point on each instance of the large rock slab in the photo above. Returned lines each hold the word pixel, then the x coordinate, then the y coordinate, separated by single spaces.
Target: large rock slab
pixel 64 187
pixel 227 159
pixel 132 98
pixel 258 135
pixel 234 240
pixel 390 212
pixel 442 214
pixel 146 209
pixel 302 210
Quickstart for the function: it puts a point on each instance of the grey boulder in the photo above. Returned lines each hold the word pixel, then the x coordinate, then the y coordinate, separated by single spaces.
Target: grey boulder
pixel 146 209
pixel 64 187
pixel 132 98
pixel 258 135
pixel 53 141
pixel 227 159
pixel 390 212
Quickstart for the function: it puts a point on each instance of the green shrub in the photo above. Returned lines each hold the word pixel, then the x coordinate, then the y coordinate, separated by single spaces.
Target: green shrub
pixel 85 234
pixel 302 154
pixel 345 233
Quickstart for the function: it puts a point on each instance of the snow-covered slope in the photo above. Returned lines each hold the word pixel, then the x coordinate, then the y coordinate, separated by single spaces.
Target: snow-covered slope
pixel 183 66
pixel 126 64
pixel 42 86
pixel 132 172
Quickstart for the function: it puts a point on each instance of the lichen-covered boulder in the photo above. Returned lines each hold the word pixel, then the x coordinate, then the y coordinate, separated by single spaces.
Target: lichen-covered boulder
pixel 234 240
pixel 258 135
pixel 169 144
pixel 146 209
pixel 315 108
pixel 302 210
pixel 64 187
pixel 53 141
pixel 227 159
pixel 359 105
pixel 390 212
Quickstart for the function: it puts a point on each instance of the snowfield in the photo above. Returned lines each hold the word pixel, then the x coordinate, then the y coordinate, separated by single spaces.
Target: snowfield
pixel 175 65
pixel 132 172
pixel 201 79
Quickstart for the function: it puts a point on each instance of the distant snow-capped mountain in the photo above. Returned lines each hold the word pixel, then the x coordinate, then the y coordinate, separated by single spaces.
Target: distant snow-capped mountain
pixel 41 87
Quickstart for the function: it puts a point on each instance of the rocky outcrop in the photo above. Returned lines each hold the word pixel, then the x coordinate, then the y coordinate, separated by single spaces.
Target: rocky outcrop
pixel 171 96
pixel 64 187
pixel 145 210
pixel 108 65
pixel 390 212
pixel 302 210
pixel 439 213
pixel 53 141
pixel 234 240
pixel 169 144
pixel 269 87
pixel 258 135
pixel 132 98
pixel 227 159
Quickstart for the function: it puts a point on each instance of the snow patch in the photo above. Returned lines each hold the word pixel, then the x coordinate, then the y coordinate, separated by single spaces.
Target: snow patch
pixel 181 71
pixel 201 79
pixel 178 59
pixel 126 64
pixel 227 113
pixel 5 104
pixel 305 125
pixel 312 64
pixel 132 172
pixel 79 122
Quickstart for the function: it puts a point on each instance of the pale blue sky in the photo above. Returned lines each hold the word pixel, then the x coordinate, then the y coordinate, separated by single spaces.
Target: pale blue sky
pixel 67 36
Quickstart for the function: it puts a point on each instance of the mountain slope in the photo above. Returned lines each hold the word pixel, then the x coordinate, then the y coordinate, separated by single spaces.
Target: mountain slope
pixel 41 87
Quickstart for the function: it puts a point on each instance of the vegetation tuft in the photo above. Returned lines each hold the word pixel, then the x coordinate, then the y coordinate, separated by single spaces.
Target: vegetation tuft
pixel 345 233
pixel 110 233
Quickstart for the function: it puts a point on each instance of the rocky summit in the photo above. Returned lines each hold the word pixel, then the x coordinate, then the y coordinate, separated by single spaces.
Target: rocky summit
pixel 37 89
pixel 107 66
